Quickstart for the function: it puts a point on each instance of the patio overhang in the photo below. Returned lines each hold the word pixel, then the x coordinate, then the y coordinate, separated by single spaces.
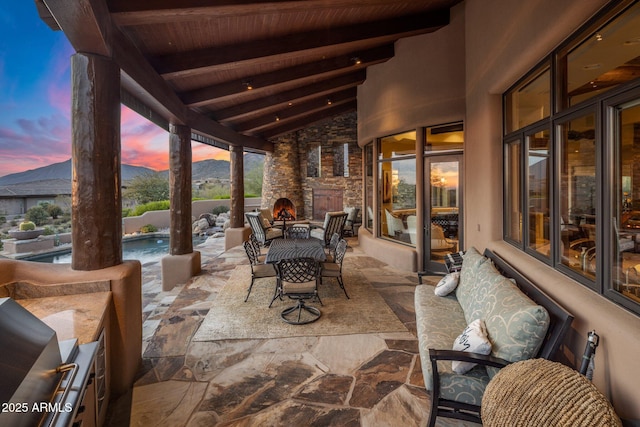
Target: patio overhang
pixel 242 72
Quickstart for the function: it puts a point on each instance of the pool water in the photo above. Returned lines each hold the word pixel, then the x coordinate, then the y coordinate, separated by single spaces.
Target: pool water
pixel 144 249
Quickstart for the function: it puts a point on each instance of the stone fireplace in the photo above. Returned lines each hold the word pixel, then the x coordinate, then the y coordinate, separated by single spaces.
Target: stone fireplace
pixel 284 210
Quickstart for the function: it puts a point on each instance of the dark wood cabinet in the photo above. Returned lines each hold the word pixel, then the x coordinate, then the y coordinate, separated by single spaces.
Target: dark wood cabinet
pixel 326 200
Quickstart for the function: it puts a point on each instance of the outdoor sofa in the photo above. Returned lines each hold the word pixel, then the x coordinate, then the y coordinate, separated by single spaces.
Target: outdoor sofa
pixel 521 322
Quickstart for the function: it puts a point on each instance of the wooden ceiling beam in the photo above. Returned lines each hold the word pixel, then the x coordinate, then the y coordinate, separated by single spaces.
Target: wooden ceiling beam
pixel 302 93
pixel 202 60
pixel 204 96
pixel 87 26
pixel 309 120
pixel 297 110
pixel 139 12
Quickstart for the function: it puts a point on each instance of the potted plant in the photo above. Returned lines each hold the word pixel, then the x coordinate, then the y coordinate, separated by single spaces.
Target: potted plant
pixel 26 230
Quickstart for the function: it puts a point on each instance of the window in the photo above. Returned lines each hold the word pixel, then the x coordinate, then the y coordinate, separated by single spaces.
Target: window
pixel 572 175
pixel 602 60
pixel 529 101
pixel 314 154
pixel 578 194
pixel 626 213
pixel 341 160
pixel 513 192
pixel 368 186
pixel 397 185
pixel 444 137
pixel 538 191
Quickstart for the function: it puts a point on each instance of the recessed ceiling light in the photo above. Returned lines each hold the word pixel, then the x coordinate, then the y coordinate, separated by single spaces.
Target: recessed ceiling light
pixel 632 42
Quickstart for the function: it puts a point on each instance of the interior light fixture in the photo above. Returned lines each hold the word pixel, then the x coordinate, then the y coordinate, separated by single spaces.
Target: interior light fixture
pixel 599 37
pixel 328 101
pixel 247 84
pixel 290 104
pixel 356 60
pixel 277 118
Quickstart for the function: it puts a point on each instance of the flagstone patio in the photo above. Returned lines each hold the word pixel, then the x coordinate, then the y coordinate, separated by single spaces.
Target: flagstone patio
pixel 344 380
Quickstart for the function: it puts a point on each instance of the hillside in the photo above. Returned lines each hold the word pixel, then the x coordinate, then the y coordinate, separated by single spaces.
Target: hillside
pixel 200 171
pixel 62 170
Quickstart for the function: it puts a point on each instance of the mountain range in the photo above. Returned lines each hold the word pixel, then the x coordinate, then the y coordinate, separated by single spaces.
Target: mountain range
pixel 201 170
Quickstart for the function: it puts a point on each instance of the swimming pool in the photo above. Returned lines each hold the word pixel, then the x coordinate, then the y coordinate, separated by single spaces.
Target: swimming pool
pixel 145 249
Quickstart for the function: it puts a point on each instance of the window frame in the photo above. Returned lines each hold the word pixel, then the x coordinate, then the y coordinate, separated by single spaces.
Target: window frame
pixel 604 107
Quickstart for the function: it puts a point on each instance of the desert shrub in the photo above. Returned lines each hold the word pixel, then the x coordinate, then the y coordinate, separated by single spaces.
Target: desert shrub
pixel 37 214
pixel 149 228
pixel 27 225
pixel 13 223
pixel 48 231
pixel 151 206
pixel 220 209
pixel 126 212
pixel 54 211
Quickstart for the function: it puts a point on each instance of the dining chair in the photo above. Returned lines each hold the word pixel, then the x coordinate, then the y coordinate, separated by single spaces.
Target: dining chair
pixel 298 280
pixel 257 248
pixel 258 269
pixel 330 250
pixel 395 227
pixel 333 223
pixel 297 232
pixel 334 269
pixel 260 226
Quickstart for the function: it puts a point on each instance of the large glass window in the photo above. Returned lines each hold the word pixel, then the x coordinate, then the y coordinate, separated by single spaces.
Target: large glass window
pixel 538 157
pixel 626 215
pixel 444 137
pixel 572 176
pixel 397 184
pixel 513 191
pixel 578 194
pixel 368 186
pixel 605 58
pixel 529 101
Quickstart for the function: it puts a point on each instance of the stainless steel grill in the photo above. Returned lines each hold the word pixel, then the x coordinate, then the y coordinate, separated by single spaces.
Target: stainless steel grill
pixel 43 381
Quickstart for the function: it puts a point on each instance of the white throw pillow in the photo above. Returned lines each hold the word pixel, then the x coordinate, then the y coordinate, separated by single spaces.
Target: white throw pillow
pixel 447 284
pixel 473 340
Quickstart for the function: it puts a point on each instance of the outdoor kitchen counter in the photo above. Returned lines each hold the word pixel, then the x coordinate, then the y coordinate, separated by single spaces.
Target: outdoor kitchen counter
pixel 78 316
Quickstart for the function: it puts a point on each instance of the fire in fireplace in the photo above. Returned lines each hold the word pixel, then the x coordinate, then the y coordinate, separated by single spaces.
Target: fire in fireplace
pixel 284 210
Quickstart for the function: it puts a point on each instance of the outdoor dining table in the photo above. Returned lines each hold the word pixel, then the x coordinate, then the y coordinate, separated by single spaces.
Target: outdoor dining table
pixel 280 249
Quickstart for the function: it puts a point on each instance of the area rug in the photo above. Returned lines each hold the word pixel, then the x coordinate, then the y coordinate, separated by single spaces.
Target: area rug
pixel 232 318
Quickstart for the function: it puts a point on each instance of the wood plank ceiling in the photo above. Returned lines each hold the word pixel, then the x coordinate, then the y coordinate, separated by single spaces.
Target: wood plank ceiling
pixel 241 72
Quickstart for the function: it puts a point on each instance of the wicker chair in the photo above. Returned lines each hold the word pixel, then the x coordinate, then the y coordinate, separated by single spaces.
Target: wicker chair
pixel 298 279
pixel 258 270
pixel 264 233
pixel 539 392
pixel 333 223
pixel 334 269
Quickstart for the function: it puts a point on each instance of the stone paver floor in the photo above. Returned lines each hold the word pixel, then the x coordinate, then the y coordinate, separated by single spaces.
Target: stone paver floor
pixel 347 380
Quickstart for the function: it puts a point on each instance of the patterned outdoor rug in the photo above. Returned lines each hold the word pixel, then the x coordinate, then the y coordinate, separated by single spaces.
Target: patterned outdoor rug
pixel 232 318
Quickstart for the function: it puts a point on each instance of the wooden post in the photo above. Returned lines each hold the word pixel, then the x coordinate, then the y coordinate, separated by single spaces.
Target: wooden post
pixel 237 186
pixel 180 189
pixel 96 205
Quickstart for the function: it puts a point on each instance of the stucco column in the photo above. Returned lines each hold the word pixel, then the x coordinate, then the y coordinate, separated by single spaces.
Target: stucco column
pixel 237 186
pixel 180 189
pixel 96 206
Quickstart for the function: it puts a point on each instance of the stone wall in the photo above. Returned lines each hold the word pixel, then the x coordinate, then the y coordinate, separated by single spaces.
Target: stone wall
pixel 286 170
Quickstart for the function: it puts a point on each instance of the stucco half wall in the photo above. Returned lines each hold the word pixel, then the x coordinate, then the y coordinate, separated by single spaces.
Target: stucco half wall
pixel 398 256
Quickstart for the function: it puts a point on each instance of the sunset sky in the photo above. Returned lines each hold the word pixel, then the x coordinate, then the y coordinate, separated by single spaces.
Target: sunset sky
pixel 35 101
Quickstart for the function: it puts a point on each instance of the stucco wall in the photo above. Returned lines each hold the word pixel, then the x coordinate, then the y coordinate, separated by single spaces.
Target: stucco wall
pixel 501 41
pixel 422 85
pixel 500 50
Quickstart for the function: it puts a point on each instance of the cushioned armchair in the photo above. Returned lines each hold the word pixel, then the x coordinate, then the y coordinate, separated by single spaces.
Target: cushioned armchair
pixel 395 227
pixel 333 223
pixel 261 228
pixel 350 227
